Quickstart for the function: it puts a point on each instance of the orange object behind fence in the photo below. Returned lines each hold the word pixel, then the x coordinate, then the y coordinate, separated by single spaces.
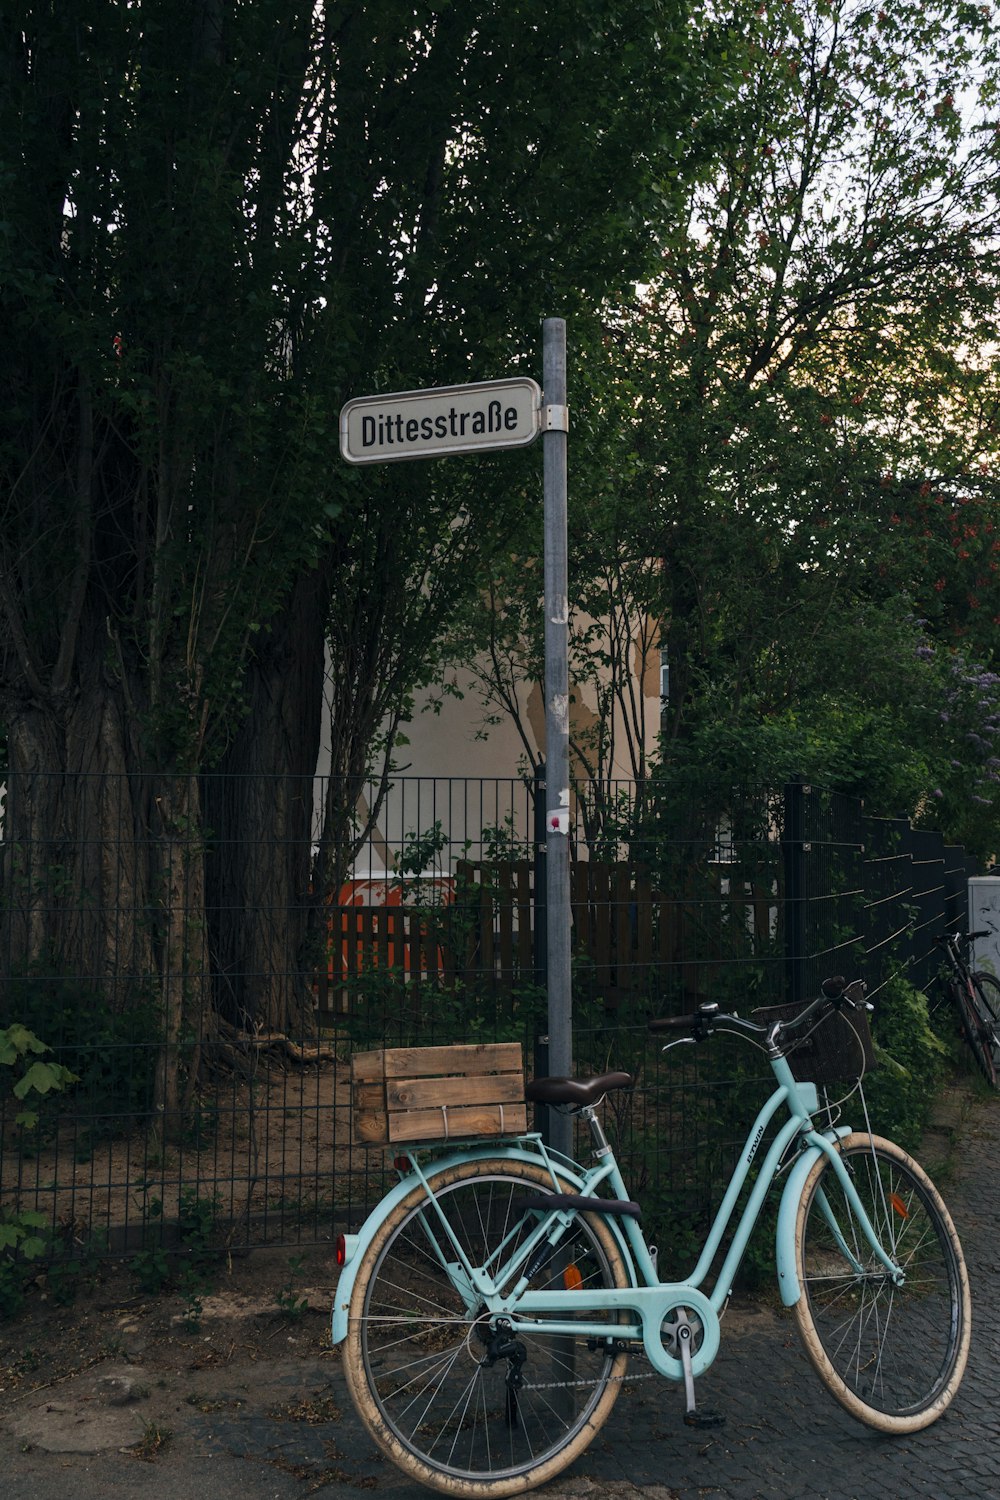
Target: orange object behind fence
pixel 374 926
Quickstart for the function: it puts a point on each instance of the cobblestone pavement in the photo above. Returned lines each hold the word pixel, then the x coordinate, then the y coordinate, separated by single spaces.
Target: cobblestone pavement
pixel 278 1423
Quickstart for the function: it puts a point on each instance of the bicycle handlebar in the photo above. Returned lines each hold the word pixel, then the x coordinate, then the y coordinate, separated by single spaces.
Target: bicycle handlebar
pixel 703 1022
pixel 708 1018
pixel 959 937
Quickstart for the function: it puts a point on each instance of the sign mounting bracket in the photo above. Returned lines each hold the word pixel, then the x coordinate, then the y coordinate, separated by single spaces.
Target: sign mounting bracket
pixel 555 418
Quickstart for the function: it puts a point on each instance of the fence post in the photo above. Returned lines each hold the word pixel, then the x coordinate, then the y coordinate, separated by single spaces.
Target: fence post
pixel 793 853
pixel 540 938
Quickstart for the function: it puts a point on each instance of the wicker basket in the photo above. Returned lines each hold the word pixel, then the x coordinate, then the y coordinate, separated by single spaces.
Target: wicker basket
pixel 438 1093
pixel 833 1052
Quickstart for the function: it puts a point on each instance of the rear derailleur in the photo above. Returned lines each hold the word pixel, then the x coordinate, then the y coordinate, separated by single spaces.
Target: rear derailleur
pixel 499 1343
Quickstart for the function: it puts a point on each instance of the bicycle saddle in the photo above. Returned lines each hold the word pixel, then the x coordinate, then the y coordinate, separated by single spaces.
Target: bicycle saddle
pixel 575 1090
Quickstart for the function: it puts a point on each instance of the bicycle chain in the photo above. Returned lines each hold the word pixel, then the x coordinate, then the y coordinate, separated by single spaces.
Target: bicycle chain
pixel 561 1385
pixel 634 1351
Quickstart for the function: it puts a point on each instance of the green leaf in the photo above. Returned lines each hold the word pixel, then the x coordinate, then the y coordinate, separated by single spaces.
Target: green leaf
pixel 43 1078
pixel 16 1041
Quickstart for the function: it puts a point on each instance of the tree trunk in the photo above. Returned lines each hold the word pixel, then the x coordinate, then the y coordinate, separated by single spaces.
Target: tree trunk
pixel 184 974
pixel 259 812
pixel 74 862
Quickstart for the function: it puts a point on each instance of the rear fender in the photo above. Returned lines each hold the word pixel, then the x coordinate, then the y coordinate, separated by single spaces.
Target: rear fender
pixel 358 1244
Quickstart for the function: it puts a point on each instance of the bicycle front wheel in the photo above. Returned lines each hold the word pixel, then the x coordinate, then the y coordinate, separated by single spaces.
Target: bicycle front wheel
pixel 981 1019
pixel 892 1352
pixel 452 1396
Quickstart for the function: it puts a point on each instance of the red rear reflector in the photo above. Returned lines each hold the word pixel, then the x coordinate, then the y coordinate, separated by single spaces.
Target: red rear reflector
pixel 401 1163
pixel 341 1250
pixel 899 1206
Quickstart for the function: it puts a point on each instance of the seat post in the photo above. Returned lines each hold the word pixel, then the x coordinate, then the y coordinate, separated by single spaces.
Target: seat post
pixel 600 1140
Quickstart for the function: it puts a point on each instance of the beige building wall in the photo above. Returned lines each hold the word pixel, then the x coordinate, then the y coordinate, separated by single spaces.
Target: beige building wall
pixel 453 742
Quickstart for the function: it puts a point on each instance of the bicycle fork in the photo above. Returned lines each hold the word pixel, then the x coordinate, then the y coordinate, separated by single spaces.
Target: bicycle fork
pixel 850 1243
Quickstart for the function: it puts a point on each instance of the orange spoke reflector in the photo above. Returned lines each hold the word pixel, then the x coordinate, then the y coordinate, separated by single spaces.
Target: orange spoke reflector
pixel 899 1205
pixel 572 1280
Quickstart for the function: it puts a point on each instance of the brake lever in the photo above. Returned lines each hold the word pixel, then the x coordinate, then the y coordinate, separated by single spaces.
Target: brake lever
pixel 682 1041
pixel 854 993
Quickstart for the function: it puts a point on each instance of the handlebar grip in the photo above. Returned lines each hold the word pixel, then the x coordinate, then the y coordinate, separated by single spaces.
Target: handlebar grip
pixel 673 1023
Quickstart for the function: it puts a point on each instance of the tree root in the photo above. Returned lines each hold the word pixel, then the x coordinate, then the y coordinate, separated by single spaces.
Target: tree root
pixel 276 1042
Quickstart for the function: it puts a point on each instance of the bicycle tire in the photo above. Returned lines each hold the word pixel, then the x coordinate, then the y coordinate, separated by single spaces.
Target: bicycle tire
pixel 415 1355
pixel 892 1355
pixel 985 999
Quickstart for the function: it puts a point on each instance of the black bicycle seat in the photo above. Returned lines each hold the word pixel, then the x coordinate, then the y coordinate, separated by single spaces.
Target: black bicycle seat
pixel 575 1090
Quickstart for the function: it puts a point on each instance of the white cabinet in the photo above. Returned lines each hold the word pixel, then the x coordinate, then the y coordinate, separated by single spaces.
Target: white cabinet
pixel 984 916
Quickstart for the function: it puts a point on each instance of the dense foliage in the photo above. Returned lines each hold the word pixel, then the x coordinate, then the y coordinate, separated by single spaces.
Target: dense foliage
pixel 787 453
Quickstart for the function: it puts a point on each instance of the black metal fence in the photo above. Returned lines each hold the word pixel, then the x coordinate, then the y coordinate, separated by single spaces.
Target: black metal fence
pixel 207 990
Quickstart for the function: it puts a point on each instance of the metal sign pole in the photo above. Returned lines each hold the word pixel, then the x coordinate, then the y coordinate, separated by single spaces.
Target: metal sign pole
pixel 555 424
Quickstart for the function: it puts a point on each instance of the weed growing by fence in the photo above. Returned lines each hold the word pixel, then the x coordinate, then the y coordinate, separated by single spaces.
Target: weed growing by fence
pixel 112 1052
pixel 29 1076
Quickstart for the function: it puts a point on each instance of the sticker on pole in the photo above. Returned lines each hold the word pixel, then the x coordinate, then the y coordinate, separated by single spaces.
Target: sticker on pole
pixel 443 420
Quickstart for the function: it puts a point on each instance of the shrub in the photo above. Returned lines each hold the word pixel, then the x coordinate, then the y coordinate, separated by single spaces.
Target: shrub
pixel 912 1061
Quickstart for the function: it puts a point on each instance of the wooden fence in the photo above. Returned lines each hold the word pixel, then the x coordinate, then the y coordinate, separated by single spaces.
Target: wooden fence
pixel 628 936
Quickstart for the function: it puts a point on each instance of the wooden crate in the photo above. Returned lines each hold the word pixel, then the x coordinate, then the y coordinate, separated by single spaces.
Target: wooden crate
pixel 438 1093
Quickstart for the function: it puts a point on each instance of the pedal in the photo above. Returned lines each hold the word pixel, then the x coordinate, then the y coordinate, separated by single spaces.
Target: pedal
pixel 692 1416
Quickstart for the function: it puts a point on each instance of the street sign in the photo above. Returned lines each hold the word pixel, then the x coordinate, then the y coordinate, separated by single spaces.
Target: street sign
pixel 447 419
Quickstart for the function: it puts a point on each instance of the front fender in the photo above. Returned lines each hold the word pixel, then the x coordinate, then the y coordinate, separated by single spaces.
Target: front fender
pixel 788 1279
pixel 379 1214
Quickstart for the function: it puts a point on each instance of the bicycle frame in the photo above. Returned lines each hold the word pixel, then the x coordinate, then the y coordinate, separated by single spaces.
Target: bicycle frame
pixel 961 974
pixel 963 988
pixel 647 1302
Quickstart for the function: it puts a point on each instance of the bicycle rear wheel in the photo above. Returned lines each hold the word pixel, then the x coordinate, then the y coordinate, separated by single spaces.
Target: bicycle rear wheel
pixel 981 1019
pixel 455 1400
pixel 892 1354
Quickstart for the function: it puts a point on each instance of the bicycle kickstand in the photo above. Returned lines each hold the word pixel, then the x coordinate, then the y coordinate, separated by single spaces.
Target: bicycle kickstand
pixel 692 1416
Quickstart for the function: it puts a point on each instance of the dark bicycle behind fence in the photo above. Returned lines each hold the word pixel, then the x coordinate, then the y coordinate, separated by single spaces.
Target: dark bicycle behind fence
pixel 976 997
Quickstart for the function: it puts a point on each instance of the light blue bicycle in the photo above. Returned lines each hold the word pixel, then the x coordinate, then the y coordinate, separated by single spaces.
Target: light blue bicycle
pixel 489 1305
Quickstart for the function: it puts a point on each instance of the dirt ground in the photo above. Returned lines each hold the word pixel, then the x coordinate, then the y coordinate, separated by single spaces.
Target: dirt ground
pixel 123 1371
pixel 230 1358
